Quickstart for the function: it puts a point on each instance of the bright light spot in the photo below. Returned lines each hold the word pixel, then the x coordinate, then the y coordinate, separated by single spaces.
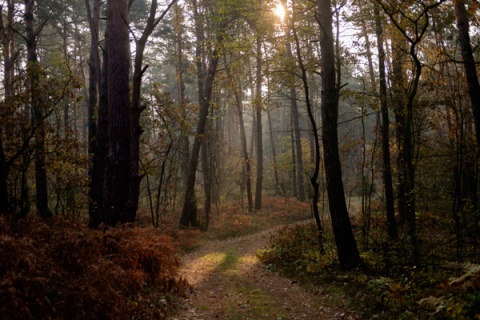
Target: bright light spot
pixel 279 11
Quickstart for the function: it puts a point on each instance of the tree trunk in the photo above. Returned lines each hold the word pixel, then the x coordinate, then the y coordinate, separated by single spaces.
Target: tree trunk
pixel 207 176
pixel 259 129
pixel 38 112
pixel 274 153
pixel 93 89
pixel 236 87
pixel 185 145
pixel 469 63
pixel 189 212
pixel 347 250
pixel 316 170
pixel 137 109
pixel 398 103
pixel 8 43
pixel 300 190
pixel 4 207
pixel 119 114
pixel 97 208
pixel 387 167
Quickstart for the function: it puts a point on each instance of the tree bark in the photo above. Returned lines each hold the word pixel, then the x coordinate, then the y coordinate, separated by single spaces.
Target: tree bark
pixel 38 112
pixel 473 85
pixel 313 123
pixel 385 129
pixel 9 57
pixel 300 190
pixel 236 87
pixel 259 128
pixel 189 212
pixel 119 114
pixel 347 250
pixel 92 106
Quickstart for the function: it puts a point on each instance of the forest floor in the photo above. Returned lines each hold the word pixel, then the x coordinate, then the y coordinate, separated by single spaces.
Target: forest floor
pixel 229 282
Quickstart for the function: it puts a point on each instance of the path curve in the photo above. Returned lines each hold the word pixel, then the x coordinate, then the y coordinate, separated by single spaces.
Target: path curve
pixel 229 283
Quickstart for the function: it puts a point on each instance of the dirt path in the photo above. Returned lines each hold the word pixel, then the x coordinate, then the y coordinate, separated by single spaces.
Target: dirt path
pixel 229 283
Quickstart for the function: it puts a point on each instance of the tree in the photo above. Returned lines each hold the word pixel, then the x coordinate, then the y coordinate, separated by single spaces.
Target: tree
pixel 7 37
pixel 137 108
pixel 300 192
pixel 189 212
pixel 413 33
pixel 346 245
pixel 468 63
pixel 38 109
pixel 236 87
pixel 258 118
pixel 387 171
pixel 96 169
pixel 118 207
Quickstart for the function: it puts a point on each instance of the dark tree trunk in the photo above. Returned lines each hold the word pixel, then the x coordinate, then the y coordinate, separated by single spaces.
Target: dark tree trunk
pixel 347 250
pixel 97 211
pixel 8 43
pixel 387 167
pixel 93 89
pixel 259 128
pixel 313 123
pixel 469 63
pixel 189 212
pixel 207 176
pixel 398 103
pixel 4 207
pixel 38 112
pixel 118 206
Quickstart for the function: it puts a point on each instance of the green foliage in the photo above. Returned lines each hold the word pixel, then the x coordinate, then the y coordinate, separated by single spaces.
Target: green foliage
pixel 65 271
pixel 295 250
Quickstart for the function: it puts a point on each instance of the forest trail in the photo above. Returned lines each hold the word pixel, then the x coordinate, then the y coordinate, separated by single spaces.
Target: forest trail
pixel 229 282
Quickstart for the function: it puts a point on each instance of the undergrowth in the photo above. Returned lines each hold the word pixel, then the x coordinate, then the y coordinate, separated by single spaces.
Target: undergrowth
pixel 443 291
pixel 59 270
pixel 230 222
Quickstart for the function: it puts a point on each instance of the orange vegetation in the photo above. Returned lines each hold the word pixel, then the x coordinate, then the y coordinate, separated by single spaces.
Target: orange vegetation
pixel 59 270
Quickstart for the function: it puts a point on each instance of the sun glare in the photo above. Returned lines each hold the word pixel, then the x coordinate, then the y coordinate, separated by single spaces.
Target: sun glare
pixel 279 11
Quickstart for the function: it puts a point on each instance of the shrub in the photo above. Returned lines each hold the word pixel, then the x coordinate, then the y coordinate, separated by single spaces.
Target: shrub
pixel 64 271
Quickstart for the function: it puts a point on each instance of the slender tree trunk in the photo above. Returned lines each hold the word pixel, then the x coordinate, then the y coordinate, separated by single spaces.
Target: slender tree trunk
pixel 398 103
pixel 387 167
pixel 259 129
pixel 137 109
pixel 97 210
pixel 119 114
pixel 274 152
pixel 189 212
pixel 93 89
pixel 316 170
pixel 4 206
pixel 300 192
pixel 236 87
pixel 347 250
pixel 207 175
pixel 185 145
pixel 9 57
pixel 38 112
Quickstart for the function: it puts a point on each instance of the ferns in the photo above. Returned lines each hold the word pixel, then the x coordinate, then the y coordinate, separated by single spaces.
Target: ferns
pixel 63 271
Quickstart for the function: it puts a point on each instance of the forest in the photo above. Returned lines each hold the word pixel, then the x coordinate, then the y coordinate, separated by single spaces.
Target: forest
pixel 134 133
